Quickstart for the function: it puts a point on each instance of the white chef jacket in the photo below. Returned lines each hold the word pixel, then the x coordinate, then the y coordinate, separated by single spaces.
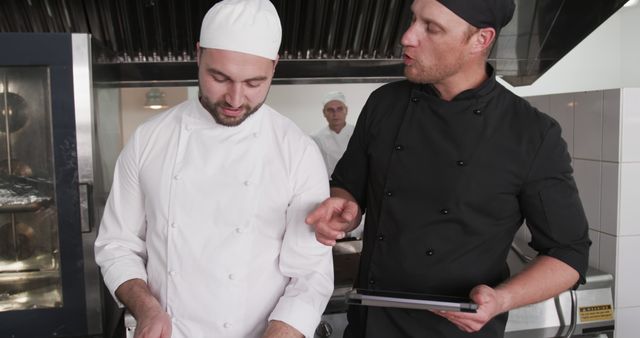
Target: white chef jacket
pixel 332 145
pixel 212 218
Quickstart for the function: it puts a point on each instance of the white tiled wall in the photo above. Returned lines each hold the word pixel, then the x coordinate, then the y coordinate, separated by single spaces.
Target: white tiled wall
pixel 627 322
pixel 630 199
pixel 610 195
pixel 588 125
pixel 630 125
pixel 594 250
pixel 628 273
pixel 608 250
pixel 611 126
pixel 603 128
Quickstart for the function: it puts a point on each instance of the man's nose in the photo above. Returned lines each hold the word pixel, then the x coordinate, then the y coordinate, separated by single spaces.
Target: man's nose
pixel 409 36
pixel 234 95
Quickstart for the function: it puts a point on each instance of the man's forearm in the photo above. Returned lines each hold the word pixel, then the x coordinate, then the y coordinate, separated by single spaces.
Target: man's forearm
pixel 543 278
pixel 135 295
pixel 342 193
pixel 279 329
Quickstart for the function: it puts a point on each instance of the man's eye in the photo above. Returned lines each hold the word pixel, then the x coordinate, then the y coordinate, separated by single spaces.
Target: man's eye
pixel 253 84
pixel 431 28
pixel 219 79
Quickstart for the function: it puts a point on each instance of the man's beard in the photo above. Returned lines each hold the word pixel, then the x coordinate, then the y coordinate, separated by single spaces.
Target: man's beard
pixel 434 72
pixel 214 108
pixel 429 75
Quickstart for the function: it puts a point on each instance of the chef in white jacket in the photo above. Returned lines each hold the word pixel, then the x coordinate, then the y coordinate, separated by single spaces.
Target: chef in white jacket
pixel 203 233
pixel 333 138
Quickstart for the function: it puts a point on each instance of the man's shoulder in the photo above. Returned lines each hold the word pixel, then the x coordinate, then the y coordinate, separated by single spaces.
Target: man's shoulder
pixel 521 108
pixel 171 116
pixel 283 127
pixel 392 88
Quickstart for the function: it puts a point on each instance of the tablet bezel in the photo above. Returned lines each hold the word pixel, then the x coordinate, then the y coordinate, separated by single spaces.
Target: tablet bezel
pixel 406 300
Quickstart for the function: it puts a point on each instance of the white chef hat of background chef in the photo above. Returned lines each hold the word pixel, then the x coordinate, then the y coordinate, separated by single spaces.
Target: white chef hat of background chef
pixel 334 96
pixel 246 26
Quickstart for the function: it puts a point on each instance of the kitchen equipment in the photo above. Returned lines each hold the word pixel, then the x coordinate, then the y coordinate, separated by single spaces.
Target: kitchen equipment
pixel 49 285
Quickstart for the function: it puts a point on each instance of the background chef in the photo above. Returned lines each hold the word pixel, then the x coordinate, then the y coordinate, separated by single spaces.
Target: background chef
pixel 333 139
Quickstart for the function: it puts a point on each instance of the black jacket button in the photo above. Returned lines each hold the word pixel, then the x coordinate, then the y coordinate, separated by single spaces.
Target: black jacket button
pixel 429 252
pixel 444 211
pixel 381 237
pixel 477 111
pixel 372 281
pixel 399 147
pixel 415 99
pixel 460 163
pixel 388 193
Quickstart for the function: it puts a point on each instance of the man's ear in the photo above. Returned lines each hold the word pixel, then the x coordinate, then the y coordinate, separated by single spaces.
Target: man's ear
pixel 483 39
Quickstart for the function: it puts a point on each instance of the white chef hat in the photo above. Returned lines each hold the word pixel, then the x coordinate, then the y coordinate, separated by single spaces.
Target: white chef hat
pixel 333 96
pixel 247 26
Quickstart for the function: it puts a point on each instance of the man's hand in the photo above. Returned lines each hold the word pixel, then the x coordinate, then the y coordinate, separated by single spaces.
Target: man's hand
pixel 278 329
pixel 151 319
pixel 332 219
pixel 543 278
pixel 153 324
pixel 489 306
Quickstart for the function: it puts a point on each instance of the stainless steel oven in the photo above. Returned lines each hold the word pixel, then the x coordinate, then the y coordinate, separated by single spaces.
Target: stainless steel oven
pixel 49 285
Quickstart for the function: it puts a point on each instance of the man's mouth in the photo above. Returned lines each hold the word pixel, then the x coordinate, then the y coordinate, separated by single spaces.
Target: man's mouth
pixel 408 60
pixel 232 112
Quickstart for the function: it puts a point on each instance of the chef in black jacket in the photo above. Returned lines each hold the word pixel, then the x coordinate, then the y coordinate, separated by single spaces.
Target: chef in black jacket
pixel 447 165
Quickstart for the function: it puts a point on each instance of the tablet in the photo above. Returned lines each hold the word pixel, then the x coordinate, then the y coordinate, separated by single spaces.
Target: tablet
pixel 406 300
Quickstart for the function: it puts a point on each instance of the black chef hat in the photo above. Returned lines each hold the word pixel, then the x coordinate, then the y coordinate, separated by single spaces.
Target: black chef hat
pixel 482 13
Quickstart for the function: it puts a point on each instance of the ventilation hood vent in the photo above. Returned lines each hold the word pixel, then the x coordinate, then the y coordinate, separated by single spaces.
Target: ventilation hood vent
pixel 152 42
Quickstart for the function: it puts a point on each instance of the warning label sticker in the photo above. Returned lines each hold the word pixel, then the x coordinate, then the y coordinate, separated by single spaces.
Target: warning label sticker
pixel 596 313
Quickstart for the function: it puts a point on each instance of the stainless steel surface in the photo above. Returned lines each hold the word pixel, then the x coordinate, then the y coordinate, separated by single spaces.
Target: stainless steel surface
pixel 129 324
pixel 84 112
pixel 554 317
pixel 332 325
pixel 83 102
pixel 152 36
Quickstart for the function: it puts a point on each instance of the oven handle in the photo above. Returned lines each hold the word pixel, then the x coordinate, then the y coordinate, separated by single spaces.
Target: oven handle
pixel 574 313
pixel 86 210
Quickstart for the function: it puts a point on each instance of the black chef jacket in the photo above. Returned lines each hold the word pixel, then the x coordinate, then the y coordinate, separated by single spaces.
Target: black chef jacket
pixel 446 185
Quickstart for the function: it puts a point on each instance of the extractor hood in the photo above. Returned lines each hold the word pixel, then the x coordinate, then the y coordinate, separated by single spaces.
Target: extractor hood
pixel 152 42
